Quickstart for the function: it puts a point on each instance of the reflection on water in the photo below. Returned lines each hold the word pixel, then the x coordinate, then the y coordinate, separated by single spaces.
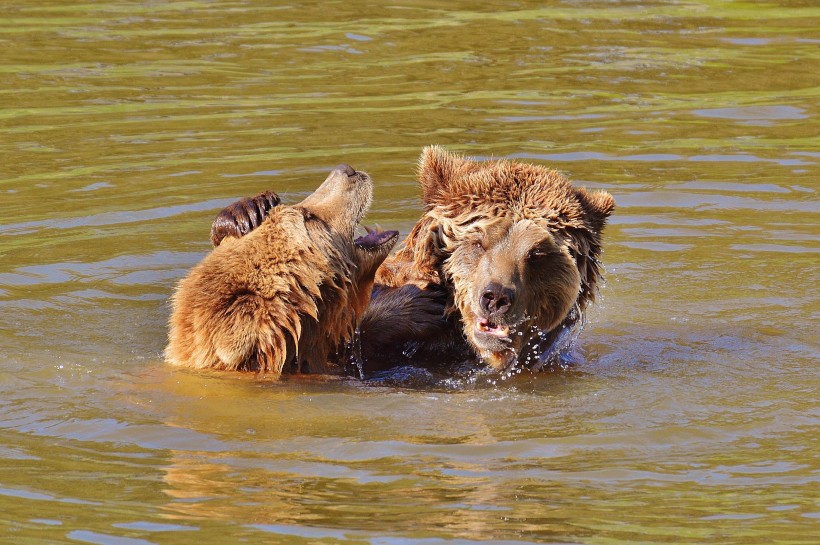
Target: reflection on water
pixel 692 415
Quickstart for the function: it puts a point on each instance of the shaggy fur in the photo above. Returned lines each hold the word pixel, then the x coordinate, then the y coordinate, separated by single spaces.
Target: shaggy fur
pixel 284 296
pixel 502 265
pixel 516 246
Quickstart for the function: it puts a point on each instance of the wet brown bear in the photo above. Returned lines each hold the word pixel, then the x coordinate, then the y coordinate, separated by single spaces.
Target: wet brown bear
pixel 515 246
pixel 283 297
pixel 501 265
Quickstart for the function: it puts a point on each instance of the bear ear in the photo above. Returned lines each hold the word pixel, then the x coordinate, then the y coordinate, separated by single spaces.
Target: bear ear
pixel 437 167
pixel 598 206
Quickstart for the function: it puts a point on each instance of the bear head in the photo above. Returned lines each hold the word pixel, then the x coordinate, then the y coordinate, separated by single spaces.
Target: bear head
pixel 516 244
pixel 331 215
pixel 287 294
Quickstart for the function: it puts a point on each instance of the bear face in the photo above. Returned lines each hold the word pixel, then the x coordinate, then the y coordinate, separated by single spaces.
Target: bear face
pixel 282 297
pixel 510 277
pixel 516 245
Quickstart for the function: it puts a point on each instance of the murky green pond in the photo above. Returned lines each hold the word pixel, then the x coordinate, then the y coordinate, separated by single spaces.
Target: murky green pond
pixel 125 126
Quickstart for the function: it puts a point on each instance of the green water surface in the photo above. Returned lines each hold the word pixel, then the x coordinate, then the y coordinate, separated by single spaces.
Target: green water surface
pixel 693 418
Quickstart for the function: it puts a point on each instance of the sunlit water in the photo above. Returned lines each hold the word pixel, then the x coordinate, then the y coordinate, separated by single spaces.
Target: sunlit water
pixel 693 415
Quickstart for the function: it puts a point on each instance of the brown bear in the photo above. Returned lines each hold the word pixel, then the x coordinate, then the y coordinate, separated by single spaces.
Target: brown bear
pixel 283 297
pixel 515 246
pixel 501 266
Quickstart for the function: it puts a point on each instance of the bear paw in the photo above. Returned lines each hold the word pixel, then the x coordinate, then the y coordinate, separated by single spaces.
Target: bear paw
pixel 240 218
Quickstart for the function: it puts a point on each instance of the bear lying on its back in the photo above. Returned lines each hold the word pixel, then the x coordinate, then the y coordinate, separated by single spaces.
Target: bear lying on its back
pixel 285 296
pixel 515 246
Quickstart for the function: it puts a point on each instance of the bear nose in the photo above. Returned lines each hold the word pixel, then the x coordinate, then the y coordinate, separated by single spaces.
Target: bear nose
pixel 496 299
pixel 347 169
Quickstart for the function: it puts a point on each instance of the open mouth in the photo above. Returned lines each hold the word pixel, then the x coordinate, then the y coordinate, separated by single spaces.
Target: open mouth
pixel 493 329
pixel 375 239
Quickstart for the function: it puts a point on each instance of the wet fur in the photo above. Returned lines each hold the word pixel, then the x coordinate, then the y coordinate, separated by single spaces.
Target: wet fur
pixel 521 226
pixel 283 297
pixel 525 224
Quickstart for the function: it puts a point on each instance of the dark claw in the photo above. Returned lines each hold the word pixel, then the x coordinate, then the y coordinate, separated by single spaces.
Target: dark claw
pixel 240 218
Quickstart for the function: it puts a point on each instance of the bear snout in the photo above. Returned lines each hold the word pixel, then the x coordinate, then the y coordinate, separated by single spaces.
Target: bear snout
pixel 496 299
pixel 346 169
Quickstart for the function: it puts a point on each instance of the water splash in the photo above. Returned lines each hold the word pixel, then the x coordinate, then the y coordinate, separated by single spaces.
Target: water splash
pixel 352 358
pixel 544 349
pixel 410 349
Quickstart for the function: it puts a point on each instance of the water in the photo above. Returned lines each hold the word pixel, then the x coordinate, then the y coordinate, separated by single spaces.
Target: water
pixel 693 417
